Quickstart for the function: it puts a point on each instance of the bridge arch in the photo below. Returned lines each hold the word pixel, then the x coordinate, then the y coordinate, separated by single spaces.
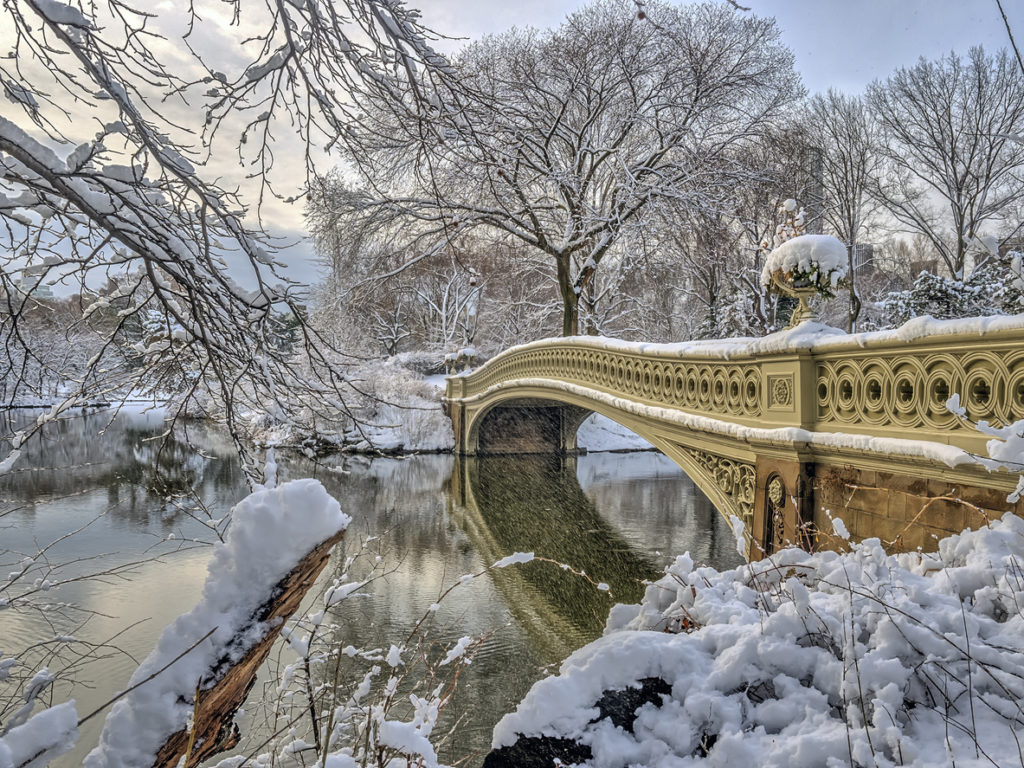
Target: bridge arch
pixel 539 418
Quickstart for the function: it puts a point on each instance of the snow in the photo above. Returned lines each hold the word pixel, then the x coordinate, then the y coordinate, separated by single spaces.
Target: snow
pixel 599 433
pixel 338 592
pixel 1005 450
pixel 394 657
pixel 808 336
pixel 809 659
pixel 457 651
pixel 61 13
pixel 46 736
pixel 408 739
pixel 806 255
pixel 515 557
pixel 739 529
pixel 271 530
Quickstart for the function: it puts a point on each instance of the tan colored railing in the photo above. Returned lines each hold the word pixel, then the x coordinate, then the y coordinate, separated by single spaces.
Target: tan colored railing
pixel 875 384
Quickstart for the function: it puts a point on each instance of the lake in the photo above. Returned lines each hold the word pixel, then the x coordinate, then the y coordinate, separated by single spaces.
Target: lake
pixel 144 511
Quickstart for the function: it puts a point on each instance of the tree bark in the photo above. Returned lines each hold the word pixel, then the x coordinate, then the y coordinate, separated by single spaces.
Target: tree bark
pixel 570 299
pixel 855 303
pixel 219 699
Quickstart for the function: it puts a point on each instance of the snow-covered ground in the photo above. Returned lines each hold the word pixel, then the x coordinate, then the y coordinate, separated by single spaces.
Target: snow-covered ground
pixel 810 660
pixel 599 433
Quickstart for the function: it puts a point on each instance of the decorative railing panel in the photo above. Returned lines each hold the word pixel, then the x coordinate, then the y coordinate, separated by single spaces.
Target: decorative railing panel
pixel 730 389
pixel 908 388
pixel 875 384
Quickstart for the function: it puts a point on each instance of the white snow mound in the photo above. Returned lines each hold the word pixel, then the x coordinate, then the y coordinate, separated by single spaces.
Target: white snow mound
pixel 810 660
pixel 805 254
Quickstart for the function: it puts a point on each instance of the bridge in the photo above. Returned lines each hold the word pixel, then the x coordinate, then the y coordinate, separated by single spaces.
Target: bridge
pixel 782 432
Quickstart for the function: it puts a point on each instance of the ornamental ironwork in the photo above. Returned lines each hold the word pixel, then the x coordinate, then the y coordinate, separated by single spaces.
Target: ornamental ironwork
pixel 735 479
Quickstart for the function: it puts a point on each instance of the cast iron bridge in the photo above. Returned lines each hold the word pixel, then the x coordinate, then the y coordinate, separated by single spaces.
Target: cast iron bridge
pixel 780 432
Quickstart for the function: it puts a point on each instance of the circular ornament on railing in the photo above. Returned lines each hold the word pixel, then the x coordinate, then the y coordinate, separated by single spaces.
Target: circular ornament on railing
pixel 782 391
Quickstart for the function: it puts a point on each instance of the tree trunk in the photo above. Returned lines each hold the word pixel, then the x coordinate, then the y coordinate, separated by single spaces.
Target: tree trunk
pixel 224 694
pixel 570 299
pixel 570 314
pixel 855 304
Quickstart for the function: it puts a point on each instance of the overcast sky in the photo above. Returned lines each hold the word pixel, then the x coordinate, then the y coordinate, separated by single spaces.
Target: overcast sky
pixel 838 43
pixel 843 44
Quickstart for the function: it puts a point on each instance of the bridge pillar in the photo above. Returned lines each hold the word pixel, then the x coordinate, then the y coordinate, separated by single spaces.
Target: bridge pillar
pixel 783 506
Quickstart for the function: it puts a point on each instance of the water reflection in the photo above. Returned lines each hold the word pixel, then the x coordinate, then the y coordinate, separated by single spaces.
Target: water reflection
pixel 535 504
pixel 126 455
pixel 617 517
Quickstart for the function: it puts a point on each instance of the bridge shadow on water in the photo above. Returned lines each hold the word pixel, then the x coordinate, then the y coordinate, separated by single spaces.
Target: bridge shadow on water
pixel 509 504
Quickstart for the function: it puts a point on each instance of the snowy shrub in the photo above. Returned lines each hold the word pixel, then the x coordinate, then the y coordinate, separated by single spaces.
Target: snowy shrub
pixel 383 707
pixel 994 288
pixel 1005 449
pixel 391 408
pixel 400 411
pixel 810 660
pixel 421 361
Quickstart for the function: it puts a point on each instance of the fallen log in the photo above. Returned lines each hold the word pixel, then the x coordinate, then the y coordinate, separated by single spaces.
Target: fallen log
pixel 206 661
pixel 223 694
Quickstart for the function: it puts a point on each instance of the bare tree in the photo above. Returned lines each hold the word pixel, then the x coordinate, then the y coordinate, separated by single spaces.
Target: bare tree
pixel 566 140
pixel 782 164
pixel 109 166
pixel 844 130
pixel 951 164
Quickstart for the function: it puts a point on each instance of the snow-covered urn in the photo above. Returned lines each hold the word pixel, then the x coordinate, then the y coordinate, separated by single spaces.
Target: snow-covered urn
pixel 803 267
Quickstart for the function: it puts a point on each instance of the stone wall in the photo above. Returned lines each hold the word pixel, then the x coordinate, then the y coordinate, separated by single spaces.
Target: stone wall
pixel 904 511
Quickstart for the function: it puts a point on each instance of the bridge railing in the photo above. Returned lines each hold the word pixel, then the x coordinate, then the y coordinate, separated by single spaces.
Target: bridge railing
pixel 654 376
pixel 903 386
pixel 882 384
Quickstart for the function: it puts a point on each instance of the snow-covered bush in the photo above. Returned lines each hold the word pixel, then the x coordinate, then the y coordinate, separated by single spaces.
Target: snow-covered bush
pixel 377 707
pixel 391 408
pixel 993 288
pixel 810 660
pixel 818 261
pixel 1005 449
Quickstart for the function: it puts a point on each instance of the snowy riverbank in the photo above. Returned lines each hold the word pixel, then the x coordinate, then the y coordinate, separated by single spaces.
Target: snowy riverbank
pixel 402 414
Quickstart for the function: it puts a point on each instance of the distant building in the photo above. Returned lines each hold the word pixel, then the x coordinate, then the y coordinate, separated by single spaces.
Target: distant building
pixel 31 282
pixel 864 259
